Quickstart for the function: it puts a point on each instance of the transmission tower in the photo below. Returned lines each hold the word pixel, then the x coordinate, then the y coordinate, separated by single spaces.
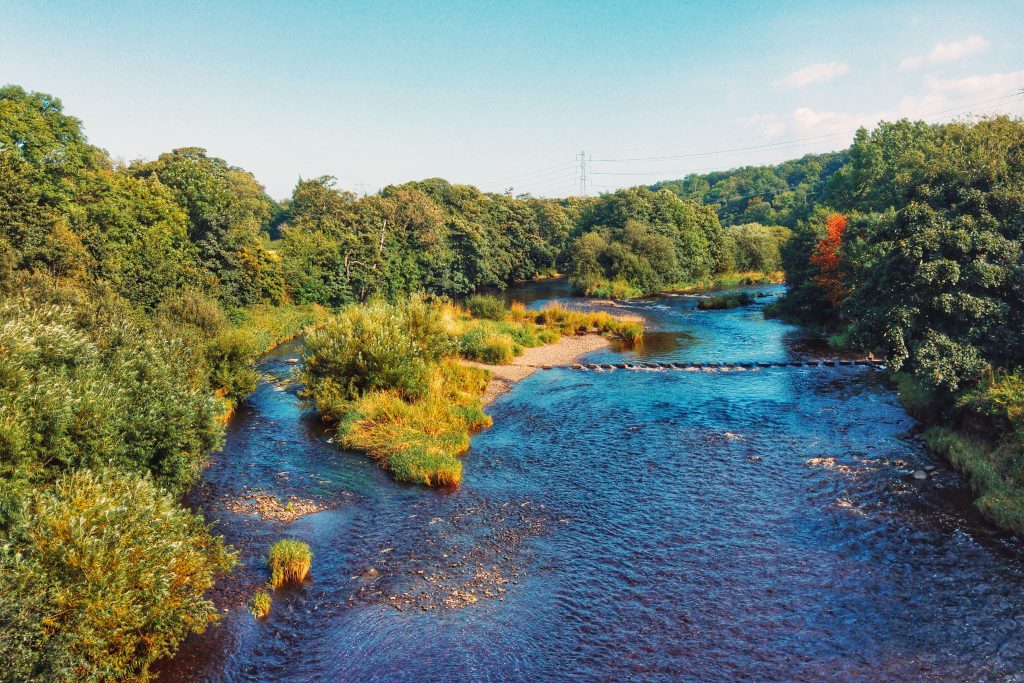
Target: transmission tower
pixel 584 160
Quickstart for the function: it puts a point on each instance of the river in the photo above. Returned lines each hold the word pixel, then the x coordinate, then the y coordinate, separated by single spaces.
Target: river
pixel 626 525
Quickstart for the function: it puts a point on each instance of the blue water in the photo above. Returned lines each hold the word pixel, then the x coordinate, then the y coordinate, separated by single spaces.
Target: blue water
pixel 624 525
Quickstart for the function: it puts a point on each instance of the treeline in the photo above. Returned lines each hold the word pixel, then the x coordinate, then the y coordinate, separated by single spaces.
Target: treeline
pixel 784 194
pixel 918 255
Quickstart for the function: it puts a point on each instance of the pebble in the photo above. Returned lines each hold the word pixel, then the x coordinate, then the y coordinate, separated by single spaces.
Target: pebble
pixel 920 474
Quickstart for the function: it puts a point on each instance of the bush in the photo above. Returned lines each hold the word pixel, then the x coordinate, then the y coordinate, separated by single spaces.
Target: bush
pixel 86 383
pixel 100 576
pixel 289 561
pixel 373 347
pixel 725 301
pixel 483 306
pixel 260 604
pixel 488 347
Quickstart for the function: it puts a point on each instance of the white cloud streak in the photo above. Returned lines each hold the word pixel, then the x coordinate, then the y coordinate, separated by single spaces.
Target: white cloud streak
pixel 946 52
pixel 941 99
pixel 814 73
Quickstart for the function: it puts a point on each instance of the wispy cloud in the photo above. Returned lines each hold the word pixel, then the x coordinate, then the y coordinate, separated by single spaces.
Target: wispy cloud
pixel 946 52
pixel 939 99
pixel 815 73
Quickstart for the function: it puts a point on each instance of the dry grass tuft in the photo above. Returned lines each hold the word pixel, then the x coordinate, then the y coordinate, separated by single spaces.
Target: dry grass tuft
pixel 289 561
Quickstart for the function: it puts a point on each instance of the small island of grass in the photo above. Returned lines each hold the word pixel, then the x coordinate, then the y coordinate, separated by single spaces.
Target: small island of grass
pixel 405 383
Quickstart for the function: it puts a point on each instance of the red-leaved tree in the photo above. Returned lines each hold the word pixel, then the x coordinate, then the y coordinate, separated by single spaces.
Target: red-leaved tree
pixel 826 258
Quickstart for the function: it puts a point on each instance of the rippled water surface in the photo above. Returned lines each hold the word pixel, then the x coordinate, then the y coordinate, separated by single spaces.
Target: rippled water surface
pixel 662 525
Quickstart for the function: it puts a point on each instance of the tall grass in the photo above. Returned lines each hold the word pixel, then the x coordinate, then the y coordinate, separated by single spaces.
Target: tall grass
pixel 388 377
pixel 259 605
pixel 420 441
pixel 289 561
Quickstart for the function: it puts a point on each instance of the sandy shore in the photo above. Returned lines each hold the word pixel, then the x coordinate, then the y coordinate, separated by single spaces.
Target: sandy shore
pixel 565 350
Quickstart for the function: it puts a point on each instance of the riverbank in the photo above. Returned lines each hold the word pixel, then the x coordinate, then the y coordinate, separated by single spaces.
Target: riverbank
pixel 565 350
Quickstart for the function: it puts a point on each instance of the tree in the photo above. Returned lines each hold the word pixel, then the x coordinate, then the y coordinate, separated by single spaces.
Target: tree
pixel 228 212
pixel 826 259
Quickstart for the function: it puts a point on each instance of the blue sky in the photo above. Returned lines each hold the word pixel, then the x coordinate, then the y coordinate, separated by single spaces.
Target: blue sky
pixel 505 94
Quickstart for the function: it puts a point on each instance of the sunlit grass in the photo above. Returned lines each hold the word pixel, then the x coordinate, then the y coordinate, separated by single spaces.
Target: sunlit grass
pixel 357 374
pixel 289 561
pixel 259 605
pixel 419 441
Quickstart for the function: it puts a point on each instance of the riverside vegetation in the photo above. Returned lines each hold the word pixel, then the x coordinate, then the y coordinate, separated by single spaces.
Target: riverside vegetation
pixel 135 299
pixel 388 376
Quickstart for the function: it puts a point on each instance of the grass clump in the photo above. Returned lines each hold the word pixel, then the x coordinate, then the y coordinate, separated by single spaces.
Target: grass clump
pixel 259 605
pixel 726 301
pixel 996 472
pixel 484 306
pixel 488 347
pixel 420 441
pixel 611 289
pixel 289 561
pixel 729 279
pixel 101 574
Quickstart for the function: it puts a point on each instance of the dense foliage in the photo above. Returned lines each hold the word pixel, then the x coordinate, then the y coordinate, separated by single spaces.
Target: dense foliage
pixel 784 194
pixel 84 381
pixel 924 264
pixel 636 241
pixel 101 575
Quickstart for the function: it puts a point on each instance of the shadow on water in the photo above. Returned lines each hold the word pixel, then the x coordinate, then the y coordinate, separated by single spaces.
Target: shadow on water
pixel 662 525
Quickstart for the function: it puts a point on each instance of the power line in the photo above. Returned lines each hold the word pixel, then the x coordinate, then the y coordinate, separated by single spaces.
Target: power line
pixel 816 138
pixel 797 143
pixel 542 171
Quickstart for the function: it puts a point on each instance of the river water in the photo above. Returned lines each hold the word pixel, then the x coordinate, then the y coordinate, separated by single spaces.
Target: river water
pixel 626 525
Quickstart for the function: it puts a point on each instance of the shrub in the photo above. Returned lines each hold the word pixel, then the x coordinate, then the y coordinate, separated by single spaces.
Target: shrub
pixel 725 301
pixel 372 347
pixel 101 575
pixel 483 306
pixel 420 441
pixel 260 604
pixel 488 347
pixel 86 383
pixel 289 561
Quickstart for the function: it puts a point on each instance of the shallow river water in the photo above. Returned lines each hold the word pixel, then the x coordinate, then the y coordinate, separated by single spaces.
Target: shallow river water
pixel 626 525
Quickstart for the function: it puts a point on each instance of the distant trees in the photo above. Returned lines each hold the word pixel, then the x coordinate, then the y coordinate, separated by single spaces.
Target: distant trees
pixel 637 241
pixel 753 247
pixel 228 212
pixel 784 194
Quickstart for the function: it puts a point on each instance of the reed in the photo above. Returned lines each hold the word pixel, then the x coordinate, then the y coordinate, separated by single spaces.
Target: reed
pixel 420 441
pixel 260 604
pixel 289 561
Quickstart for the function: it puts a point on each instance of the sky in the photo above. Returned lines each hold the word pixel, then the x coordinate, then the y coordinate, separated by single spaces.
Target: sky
pixel 507 94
